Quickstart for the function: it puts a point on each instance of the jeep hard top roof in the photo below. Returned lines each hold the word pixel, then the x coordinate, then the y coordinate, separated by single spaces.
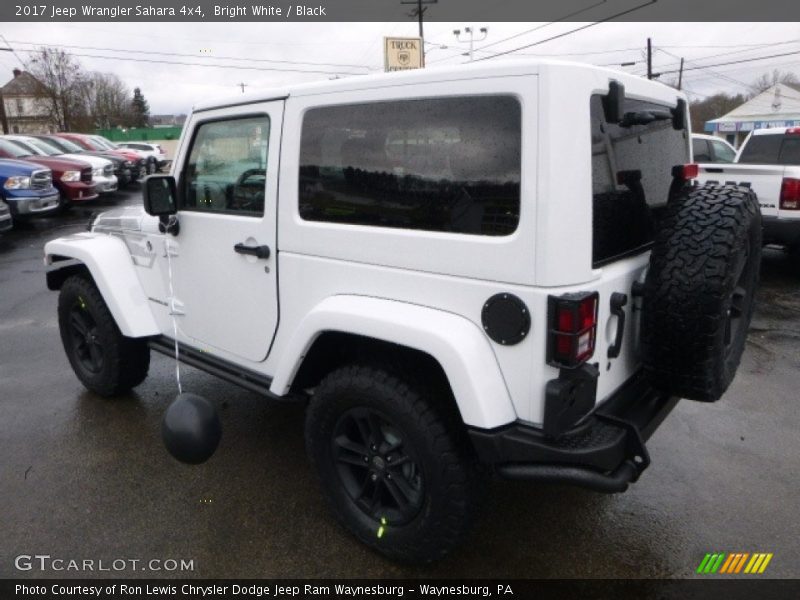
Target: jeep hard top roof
pixel 474 70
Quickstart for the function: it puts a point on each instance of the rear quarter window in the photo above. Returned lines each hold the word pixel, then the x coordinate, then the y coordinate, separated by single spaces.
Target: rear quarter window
pixel 441 164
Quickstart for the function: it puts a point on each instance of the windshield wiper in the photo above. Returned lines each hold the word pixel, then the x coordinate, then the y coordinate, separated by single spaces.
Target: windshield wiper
pixel 644 117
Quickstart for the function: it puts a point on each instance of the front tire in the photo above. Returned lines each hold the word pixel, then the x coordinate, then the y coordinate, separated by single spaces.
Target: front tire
pixel 105 361
pixel 394 465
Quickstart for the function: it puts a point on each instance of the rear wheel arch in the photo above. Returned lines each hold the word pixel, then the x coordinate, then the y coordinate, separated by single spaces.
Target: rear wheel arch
pixel 334 349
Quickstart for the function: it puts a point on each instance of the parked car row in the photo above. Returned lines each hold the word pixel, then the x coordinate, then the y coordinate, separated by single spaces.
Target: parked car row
pixel 43 173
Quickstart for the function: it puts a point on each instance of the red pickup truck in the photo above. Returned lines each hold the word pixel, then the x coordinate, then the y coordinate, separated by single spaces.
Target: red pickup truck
pixel 72 178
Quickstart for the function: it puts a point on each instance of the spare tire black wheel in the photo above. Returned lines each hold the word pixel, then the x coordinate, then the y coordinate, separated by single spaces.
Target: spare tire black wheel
pixel 699 290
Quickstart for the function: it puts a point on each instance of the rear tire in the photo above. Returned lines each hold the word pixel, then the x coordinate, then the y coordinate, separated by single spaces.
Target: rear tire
pixel 105 361
pixel 384 448
pixel 699 291
pixel 152 166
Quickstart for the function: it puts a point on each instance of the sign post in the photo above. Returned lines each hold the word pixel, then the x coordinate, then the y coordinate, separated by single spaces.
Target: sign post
pixel 400 54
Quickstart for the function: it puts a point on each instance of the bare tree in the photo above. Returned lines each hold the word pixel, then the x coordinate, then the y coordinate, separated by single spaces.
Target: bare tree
pixel 767 80
pixel 64 86
pixel 713 107
pixel 108 101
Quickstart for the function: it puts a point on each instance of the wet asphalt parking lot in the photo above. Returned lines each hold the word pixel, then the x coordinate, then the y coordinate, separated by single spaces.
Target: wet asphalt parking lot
pixel 82 477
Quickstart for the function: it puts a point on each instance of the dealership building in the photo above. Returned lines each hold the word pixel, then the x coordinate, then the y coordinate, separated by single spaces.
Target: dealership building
pixel 778 106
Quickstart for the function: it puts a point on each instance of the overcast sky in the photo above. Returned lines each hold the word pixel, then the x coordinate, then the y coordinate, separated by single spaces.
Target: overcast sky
pixel 347 49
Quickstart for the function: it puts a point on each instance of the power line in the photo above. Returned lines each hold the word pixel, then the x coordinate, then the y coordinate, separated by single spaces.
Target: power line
pixel 735 62
pixel 718 75
pixel 570 32
pixel 749 49
pixel 218 66
pixel 537 28
pixel 12 50
pixel 178 54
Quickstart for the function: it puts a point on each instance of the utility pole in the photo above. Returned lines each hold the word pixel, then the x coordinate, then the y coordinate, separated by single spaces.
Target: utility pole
pixel 472 40
pixel 680 74
pixel 242 85
pixel 418 12
pixel 649 59
pixel 3 116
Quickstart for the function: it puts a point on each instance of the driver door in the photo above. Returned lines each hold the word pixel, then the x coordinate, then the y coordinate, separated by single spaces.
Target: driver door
pixel 224 256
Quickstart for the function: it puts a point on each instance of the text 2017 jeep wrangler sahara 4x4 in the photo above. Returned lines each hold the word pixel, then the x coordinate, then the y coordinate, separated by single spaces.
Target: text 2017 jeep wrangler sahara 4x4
pixel 484 269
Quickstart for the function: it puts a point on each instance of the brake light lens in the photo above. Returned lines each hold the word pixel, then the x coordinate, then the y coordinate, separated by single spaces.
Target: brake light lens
pixel 572 329
pixel 790 194
pixel 793 131
pixel 685 172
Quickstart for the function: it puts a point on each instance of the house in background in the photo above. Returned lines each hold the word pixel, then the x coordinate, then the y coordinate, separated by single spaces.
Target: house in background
pixel 778 106
pixel 25 108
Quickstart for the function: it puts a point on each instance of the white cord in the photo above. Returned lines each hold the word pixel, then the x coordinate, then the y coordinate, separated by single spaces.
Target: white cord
pixel 172 314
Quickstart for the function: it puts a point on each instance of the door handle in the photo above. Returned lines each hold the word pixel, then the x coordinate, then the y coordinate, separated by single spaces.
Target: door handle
pixel 618 300
pixel 257 251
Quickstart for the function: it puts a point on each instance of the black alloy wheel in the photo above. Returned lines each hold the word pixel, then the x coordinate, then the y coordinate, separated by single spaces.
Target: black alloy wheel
pixel 376 468
pixel 85 338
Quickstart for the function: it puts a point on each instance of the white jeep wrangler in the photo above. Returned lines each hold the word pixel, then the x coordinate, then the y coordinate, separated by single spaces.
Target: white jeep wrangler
pixel 492 268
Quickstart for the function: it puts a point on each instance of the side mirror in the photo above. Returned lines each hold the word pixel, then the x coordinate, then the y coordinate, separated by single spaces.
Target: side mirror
pixel 614 102
pixel 160 195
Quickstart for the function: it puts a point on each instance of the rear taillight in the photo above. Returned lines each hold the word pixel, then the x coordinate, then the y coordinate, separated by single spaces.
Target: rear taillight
pixel 793 131
pixel 572 329
pixel 685 172
pixel 790 194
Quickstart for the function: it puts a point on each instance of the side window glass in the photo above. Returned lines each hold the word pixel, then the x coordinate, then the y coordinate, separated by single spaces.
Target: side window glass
pixel 700 151
pixel 227 167
pixel 441 164
pixel 723 153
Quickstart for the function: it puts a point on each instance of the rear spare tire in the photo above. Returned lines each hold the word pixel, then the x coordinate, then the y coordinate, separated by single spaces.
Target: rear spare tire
pixel 699 290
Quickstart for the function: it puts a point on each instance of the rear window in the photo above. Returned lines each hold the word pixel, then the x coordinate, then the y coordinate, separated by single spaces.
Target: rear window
pixel 771 150
pixel 439 164
pixel 631 176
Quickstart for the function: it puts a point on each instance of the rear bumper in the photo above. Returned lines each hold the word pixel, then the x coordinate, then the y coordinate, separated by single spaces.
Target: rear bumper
pixel 781 231
pixel 606 452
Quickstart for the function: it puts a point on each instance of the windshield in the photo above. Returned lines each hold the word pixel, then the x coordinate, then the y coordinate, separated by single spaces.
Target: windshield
pixel 65 145
pixel 28 147
pixel 10 148
pixel 102 142
pixel 44 147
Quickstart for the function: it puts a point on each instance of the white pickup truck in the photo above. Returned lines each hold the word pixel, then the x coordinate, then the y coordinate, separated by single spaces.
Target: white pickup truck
pixel 769 164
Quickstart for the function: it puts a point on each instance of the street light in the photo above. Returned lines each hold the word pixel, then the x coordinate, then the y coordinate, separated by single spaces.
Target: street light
pixel 472 40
